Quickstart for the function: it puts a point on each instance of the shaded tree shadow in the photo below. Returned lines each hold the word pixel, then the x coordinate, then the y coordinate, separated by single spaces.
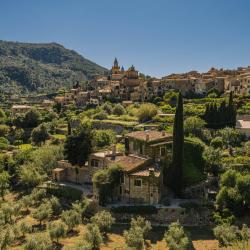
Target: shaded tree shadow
pixel 57 246
pixel 72 233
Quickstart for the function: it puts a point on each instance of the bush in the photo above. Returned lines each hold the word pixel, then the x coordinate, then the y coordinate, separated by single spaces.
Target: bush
pixel 217 142
pixel 225 234
pixel 119 110
pixel 103 138
pixel 193 125
pixel 102 115
pixel 146 112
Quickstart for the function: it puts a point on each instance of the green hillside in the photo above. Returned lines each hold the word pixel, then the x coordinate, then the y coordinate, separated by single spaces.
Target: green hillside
pixel 34 67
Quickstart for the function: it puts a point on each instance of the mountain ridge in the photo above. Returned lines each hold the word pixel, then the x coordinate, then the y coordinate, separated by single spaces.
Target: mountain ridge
pixel 42 66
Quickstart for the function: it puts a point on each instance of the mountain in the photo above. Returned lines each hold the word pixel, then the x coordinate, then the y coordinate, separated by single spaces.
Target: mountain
pixel 47 66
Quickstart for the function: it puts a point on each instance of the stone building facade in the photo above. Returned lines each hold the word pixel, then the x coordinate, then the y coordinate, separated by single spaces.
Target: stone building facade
pixel 141 167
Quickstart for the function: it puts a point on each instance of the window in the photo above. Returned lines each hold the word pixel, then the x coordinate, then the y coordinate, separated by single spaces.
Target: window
pixel 138 182
pixel 122 178
pixel 94 163
pixel 162 151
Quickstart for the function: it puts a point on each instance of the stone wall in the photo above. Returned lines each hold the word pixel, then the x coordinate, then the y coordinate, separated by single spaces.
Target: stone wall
pixel 168 215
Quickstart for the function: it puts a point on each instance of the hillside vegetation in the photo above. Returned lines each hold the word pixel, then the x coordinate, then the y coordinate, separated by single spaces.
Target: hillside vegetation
pixel 32 67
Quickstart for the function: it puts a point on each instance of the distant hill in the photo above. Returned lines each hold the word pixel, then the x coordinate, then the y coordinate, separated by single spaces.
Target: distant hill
pixel 33 67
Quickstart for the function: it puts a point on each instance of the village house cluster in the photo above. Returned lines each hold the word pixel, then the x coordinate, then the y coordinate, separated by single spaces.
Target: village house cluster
pixel 129 86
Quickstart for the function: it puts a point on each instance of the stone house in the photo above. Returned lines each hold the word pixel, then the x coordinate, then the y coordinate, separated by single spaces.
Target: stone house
pixel 141 167
pixel 20 109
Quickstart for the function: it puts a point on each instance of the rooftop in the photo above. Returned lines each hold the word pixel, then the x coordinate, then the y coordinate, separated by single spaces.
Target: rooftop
pixel 241 124
pixel 150 135
pixel 129 162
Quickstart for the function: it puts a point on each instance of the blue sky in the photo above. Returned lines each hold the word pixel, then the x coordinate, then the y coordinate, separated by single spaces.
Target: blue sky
pixel 157 36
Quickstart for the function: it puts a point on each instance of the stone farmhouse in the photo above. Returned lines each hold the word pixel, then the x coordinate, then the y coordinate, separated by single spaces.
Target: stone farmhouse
pixel 141 167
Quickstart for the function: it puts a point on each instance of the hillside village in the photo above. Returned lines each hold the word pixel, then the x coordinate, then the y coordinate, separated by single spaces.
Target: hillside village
pixel 123 150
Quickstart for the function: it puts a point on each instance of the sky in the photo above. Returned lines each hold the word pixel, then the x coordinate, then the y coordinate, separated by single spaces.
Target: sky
pixel 159 37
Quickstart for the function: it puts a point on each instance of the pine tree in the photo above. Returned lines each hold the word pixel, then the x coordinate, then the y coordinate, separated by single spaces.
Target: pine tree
pixel 178 147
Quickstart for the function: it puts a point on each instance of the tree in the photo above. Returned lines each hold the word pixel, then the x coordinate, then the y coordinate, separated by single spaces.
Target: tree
pixel 93 236
pixel 225 234
pixel 4 130
pixel 24 228
pixel 194 125
pixel 230 137
pixel 71 218
pixel 55 205
pixel 78 146
pixel 146 112
pixel 176 238
pixel 103 220
pixel 217 142
pixel 4 183
pixel 119 110
pixel 84 208
pixel 103 138
pixel 6 238
pixel 178 148
pixel 102 115
pixel 107 107
pixel 38 242
pixel 231 111
pixel 56 230
pixel 234 192
pixel 84 245
pixel 212 159
pixel 31 119
pixel 140 222
pixel 43 212
pixel 134 238
pixel 39 134
pixel 29 176
pixel 7 212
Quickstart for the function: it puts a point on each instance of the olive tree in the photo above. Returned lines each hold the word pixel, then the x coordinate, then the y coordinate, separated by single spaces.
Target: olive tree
pixel 103 220
pixel 93 236
pixel 57 230
pixel 176 238
pixel 43 212
pixel 4 183
pixel 71 218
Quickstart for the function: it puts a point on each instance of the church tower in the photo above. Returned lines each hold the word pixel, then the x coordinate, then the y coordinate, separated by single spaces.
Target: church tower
pixel 116 67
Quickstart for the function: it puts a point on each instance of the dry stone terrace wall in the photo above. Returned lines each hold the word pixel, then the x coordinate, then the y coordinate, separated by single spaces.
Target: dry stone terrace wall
pixel 167 215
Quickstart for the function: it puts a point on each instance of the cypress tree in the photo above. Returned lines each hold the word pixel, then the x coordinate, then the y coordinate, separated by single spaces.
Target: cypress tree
pixel 231 111
pixel 178 147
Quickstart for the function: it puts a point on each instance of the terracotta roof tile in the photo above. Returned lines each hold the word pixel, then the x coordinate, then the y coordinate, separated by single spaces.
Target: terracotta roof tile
pixel 150 135
pixel 129 162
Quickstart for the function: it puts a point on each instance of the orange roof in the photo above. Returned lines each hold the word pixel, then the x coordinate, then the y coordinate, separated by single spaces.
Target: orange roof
pixel 149 135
